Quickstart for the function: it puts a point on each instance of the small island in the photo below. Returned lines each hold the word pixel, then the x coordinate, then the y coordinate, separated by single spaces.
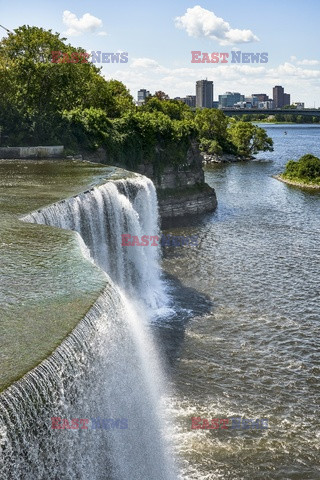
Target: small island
pixel 304 173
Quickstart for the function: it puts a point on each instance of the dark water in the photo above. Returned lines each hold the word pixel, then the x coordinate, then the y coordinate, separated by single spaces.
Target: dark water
pixel 245 340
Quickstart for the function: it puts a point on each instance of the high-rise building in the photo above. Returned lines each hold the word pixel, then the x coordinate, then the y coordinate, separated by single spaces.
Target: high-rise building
pixel 204 94
pixel 280 98
pixel 286 99
pixel 142 95
pixel 229 99
pixel 278 94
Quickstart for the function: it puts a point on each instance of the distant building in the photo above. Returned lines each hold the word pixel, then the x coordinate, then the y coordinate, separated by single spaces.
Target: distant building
pixel 142 95
pixel 215 104
pixel 268 105
pixel 278 93
pixel 243 105
pixel 204 94
pixel 190 100
pixel 262 97
pixel 229 99
pixel 252 101
pixel 280 98
pixel 299 105
pixel 286 99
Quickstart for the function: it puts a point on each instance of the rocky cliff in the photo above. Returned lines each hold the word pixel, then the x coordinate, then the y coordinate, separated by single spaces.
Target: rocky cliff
pixel 181 188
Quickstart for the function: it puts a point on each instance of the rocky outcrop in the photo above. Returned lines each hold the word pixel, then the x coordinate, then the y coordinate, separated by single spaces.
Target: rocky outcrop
pixel 181 188
pixel 188 174
pixel 180 203
pixel 223 158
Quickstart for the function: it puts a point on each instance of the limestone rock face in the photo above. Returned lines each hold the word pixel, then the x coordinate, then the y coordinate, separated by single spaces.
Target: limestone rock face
pixel 181 188
pixel 177 176
pixel 194 203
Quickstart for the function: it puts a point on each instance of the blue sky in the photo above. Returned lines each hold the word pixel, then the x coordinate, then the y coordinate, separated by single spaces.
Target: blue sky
pixel 159 45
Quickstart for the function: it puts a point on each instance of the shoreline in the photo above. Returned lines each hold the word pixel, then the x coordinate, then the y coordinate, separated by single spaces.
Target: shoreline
pixel 209 159
pixel 297 184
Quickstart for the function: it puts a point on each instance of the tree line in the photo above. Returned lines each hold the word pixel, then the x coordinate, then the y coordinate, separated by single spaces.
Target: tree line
pixel 46 103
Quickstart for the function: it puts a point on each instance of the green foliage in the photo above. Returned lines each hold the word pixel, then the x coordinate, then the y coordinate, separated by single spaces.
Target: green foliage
pixel 212 125
pixel 306 169
pixel 210 146
pixel 161 95
pixel 34 91
pixel 89 128
pixel 71 103
pixel 149 137
pixel 289 117
pixel 173 108
pixel 249 139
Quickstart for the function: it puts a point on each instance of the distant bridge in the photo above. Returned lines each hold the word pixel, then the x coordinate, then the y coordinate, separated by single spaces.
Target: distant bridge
pixel 252 111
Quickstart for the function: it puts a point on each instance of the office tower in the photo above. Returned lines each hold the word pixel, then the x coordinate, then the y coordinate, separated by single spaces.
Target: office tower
pixel 278 94
pixel 286 99
pixel 229 99
pixel 204 94
pixel 142 95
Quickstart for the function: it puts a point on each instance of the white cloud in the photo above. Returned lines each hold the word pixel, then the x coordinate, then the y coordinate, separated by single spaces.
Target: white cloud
pixel 308 62
pixel 147 64
pixel 199 22
pixel 102 34
pixel 144 63
pixel 289 70
pixel 78 26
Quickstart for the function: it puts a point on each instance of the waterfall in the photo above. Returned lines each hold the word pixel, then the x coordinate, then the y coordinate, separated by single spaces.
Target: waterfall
pixel 108 367
pixel 101 216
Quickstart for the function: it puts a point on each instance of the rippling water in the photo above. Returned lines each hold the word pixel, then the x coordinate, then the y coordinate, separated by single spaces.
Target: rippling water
pixel 246 341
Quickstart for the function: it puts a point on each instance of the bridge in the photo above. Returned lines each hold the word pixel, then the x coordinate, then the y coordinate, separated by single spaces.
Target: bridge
pixel 284 111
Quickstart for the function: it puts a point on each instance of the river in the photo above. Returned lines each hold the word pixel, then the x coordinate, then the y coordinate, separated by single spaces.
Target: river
pixel 244 340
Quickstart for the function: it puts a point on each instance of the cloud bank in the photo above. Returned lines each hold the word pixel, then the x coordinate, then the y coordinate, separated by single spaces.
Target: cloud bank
pixel 199 22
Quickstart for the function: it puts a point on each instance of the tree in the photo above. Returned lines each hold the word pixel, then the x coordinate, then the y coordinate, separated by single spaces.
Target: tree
pixel 173 108
pixel 34 91
pixel 161 95
pixel 212 125
pixel 249 139
pixel 307 169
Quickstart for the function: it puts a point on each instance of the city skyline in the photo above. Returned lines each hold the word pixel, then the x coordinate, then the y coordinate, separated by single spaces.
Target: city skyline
pixel 159 42
pixel 204 98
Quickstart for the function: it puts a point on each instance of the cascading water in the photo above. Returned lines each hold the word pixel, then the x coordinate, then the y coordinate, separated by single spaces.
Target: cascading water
pixel 107 368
